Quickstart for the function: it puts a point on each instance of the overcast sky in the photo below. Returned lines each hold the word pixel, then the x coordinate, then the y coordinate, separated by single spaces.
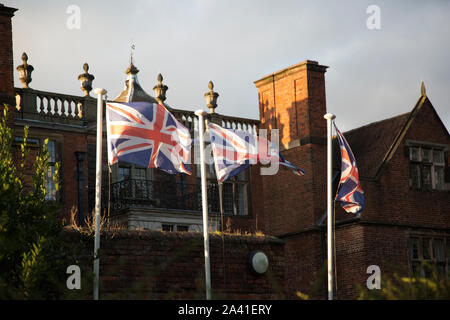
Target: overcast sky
pixel 373 74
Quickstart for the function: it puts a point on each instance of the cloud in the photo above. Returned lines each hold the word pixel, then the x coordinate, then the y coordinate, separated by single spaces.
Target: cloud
pixel 373 74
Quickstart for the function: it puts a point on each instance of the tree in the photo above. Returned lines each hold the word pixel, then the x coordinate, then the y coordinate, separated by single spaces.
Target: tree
pixel 33 259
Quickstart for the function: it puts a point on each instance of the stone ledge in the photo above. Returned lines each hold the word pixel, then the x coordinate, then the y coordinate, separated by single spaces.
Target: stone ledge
pixel 159 235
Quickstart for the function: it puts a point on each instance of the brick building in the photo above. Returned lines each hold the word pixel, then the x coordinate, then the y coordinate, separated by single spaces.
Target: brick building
pixel 403 168
pixel 403 165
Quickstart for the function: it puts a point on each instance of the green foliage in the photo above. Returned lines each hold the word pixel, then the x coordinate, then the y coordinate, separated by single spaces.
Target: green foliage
pixel 32 259
pixel 413 287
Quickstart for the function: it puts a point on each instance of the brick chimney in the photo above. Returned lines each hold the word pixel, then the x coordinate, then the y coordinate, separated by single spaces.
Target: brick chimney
pixel 292 100
pixel 6 59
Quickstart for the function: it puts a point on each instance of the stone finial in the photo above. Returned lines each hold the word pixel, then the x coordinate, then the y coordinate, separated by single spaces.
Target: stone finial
pixel 131 68
pixel 86 80
pixel 25 71
pixel 160 90
pixel 211 98
pixel 423 91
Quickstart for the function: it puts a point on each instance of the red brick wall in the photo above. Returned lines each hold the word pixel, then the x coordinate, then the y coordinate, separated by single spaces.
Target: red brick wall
pixel 397 202
pixel 361 245
pixel 293 101
pixel 392 212
pixel 390 199
pixel 67 143
pixel 6 62
pixel 288 199
pixel 305 265
pixel 71 143
pixel 350 260
pixel 169 265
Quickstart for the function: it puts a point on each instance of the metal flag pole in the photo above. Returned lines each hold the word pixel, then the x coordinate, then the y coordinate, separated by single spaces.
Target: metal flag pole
pixel 329 117
pixel 98 186
pixel 200 114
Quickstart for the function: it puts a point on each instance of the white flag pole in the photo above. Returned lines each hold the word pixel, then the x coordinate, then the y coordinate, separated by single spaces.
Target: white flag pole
pixel 98 185
pixel 200 114
pixel 329 117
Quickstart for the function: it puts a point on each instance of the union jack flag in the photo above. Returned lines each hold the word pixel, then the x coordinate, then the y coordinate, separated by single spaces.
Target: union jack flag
pixel 148 135
pixel 235 150
pixel 350 193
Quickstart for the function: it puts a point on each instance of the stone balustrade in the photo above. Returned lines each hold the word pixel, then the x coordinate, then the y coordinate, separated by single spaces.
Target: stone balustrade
pixel 249 125
pixel 58 108
pixel 70 109
pixel 51 107
pixel 189 120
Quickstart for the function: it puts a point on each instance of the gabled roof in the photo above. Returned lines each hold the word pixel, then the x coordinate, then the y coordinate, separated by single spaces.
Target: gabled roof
pixel 371 142
pixel 373 145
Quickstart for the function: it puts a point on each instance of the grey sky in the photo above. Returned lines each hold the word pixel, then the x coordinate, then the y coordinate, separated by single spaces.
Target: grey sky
pixel 372 75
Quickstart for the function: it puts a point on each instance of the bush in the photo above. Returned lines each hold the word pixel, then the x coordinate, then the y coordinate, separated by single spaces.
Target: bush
pixel 33 261
pixel 413 287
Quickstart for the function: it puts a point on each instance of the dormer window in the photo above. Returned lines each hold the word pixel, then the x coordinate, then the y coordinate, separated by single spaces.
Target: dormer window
pixel 426 167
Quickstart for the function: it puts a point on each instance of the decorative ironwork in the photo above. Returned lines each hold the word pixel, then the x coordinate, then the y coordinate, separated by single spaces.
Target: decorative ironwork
pixel 137 193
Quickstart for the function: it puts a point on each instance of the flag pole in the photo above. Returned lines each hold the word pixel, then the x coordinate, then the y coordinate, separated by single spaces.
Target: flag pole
pixel 329 117
pixel 98 186
pixel 200 114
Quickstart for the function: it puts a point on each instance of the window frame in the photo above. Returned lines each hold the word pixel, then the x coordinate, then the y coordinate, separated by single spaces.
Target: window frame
pixel 37 141
pixel 424 165
pixel 170 227
pixel 175 227
pixel 52 168
pixel 237 180
pixel 432 259
pixel 138 186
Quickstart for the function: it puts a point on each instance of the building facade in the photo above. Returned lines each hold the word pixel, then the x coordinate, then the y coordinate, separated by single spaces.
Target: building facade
pixel 404 172
pixel 403 166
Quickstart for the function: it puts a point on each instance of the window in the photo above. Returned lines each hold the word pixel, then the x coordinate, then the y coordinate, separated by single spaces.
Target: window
pixel 124 190
pixel 31 142
pixel 235 194
pixel 426 253
pixel 167 227
pixel 133 182
pixel 124 173
pixel 234 191
pixel 438 254
pixel 426 168
pixel 175 227
pixel 54 155
pixel 141 183
pixel 51 187
pixel 182 228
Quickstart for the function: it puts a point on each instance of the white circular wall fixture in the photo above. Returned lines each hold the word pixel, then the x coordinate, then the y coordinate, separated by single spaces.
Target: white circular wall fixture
pixel 258 261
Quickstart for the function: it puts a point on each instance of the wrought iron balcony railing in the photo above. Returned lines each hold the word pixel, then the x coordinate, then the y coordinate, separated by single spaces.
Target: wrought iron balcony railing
pixel 136 193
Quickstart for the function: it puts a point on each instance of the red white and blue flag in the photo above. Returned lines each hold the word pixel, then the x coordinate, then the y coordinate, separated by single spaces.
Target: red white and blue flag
pixel 350 193
pixel 147 135
pixel 235 150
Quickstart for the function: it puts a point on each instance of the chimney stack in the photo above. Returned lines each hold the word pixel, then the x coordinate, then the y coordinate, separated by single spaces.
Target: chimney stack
pixel 292 100
pixel 6 59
